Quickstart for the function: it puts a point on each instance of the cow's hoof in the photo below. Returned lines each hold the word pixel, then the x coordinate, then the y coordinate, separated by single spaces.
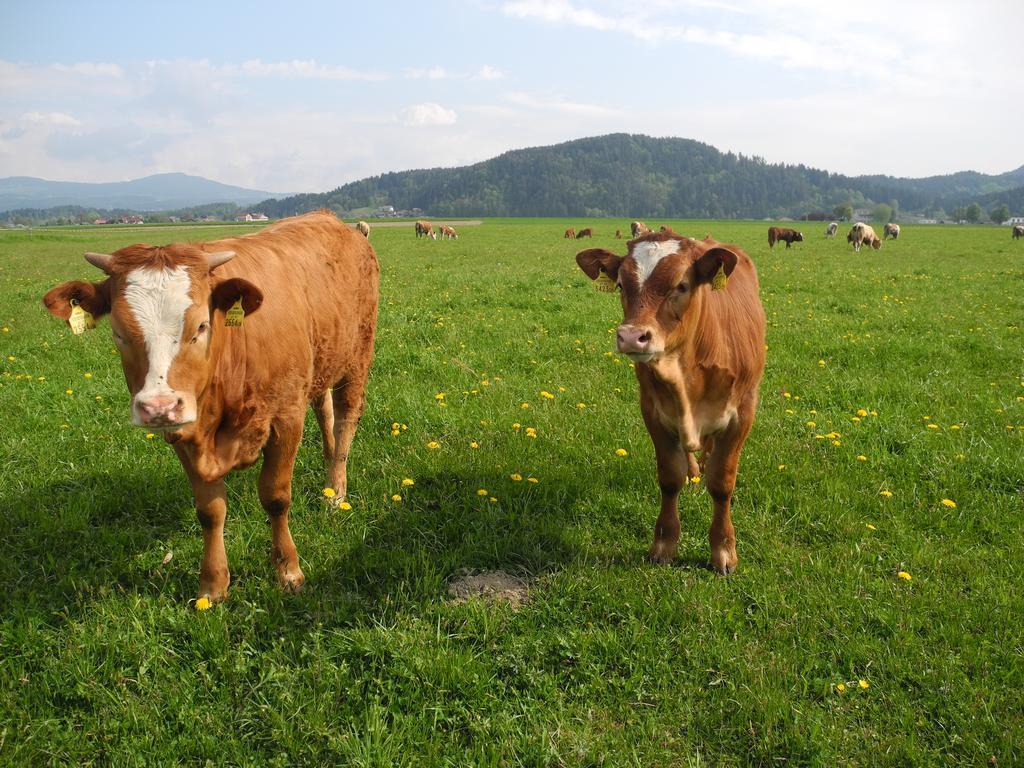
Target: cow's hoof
pixel 662 552
pixel 292 581
pixel 215 592
pixel 337 501
pixel 724 561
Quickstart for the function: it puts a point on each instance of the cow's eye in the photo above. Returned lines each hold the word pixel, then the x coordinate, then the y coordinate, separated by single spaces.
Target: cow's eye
pixel 203 328
pixel 682 288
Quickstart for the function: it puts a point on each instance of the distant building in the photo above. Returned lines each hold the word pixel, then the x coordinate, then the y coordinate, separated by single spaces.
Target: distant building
pixel 1014 220
pixel 252 217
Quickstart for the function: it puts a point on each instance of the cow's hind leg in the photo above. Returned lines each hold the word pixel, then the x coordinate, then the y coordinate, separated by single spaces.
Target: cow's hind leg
pixel 323 407
pixel 722 463
pixel 275 489
pixel 349 401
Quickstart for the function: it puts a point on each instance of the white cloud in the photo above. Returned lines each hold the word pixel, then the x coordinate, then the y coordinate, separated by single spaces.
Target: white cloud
pixel 56 119
pixel 487 72
pixel 428 114
pixel 434 73
pixel 304 69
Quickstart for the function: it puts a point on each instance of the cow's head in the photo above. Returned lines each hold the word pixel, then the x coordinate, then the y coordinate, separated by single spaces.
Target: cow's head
pixel 799 237
pixel 163 304
pixel 662 282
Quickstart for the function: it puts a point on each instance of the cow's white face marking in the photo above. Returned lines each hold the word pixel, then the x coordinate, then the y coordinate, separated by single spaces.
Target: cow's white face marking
pixel 647 256
pixel 158 299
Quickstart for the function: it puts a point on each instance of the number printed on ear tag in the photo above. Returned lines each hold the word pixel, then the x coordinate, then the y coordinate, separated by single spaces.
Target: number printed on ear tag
pixel 233 317
pixel 80 320
pixel 604 283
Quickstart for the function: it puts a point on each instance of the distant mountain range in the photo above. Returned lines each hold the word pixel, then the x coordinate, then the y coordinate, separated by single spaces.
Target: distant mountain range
pixel 614 175
pixel 161 192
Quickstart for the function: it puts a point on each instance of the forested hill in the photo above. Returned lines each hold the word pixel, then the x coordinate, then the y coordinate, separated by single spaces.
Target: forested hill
pixel 632 175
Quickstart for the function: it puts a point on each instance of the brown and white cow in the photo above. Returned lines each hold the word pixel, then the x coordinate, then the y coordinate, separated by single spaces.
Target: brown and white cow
pixel 1018 231
pixel 699 355
pixel 588 232
pixel 638 228
pixel 363 228
pixel 832 229
pixel 776 234
pixel 862 233
pixel 891 230
pixel 425 229
pixel 448 232
pixel 570 233
pixel 221 396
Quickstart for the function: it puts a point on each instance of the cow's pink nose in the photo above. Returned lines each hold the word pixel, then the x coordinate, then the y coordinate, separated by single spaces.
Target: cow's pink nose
pixel 633 340
pixel 159 408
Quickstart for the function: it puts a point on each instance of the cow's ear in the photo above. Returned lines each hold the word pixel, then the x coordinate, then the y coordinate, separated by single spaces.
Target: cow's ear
pixel 594 261
pixel 94 298
pixel 227 292
pixel 706 267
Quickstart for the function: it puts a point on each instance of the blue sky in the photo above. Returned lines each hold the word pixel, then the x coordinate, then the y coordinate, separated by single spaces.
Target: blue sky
pixel 305 96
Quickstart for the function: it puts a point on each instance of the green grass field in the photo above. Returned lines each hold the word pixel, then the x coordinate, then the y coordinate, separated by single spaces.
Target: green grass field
pixel 611 661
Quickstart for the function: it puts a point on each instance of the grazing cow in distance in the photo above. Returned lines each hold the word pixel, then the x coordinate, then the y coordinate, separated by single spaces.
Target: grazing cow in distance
pixel 862 233
pixel 425 229
pixel 699 355
pixel 223 391
pixel 570 233
pixel 638 228
pixel 364 228
pixel 832 229
pixel 588 232
pixel 1018 231
pixel 775 234
pixel 891 230
pixel 448 232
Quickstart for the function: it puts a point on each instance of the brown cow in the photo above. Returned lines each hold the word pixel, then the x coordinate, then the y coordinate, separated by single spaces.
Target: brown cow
pixel 570 233
pixel 775 234
pixel 891 230
pixel 1018 231
pixel 588 232
pixel 862 233
pixel 448 232
pixel 364 228
pixel 425 229
pixel 222 391
pixel 699 355
pixel 639 228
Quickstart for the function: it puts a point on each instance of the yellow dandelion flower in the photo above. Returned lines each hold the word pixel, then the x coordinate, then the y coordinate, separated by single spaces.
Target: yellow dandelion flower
pixel 870 527
pixel 694 480
pixel 395 433
pixel 855 419
pixel 516 425
pixel 203 604
pixel 150 435
pixel 840 687
pixel 949 503
pixel 516 476
pixel 547 395
pixel 533 480
pixel 954 426
pixel 69 391
pixel 87 375
pixel 474 444
pixel 933 426
pixel 395 425
pixel 887 494
pixel 836 442
pixel 433 445
pixel 621 452
pixel 328 492
pixel 345 506
pixel 493 500
pixel 396 497
pixel 861 412
pixel 406 482
pixel 11 358
pixel 782 466
pixel 786 394
pixel 812 424
pixel 482 492
pixel 862 458
pixel 581 406
pixel 439 396
pixel 903 575
pixel 524 406
pixel 863 683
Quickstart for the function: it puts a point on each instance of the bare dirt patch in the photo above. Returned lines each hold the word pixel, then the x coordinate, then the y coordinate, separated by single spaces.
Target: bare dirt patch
pixel 491 587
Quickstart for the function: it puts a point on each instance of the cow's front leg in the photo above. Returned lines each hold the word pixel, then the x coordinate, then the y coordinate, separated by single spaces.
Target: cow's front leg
pixel 722 464
pixel 673 464
pixel 211 509
pixel 275 489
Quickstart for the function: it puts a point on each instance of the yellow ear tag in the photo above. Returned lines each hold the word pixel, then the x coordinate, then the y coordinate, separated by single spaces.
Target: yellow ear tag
pixel 604 283
pixel 80 320
pixel 720 280
pixel 234 316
